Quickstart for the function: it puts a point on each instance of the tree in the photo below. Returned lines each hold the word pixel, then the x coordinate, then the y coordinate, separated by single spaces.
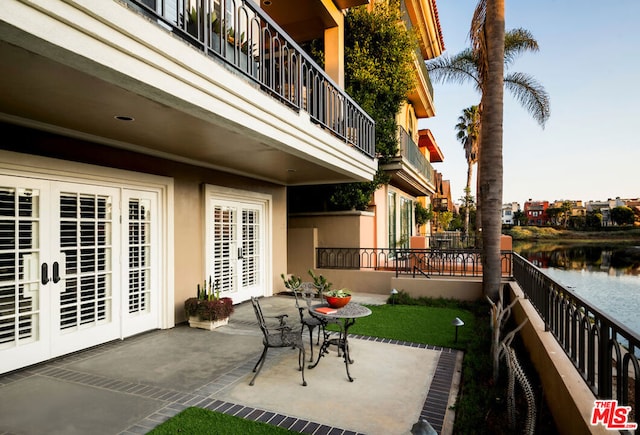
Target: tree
pixel 468 128
pixel 488 42
pixel 622 215
pixel 465 67
pixel 565 210
pixel 519 218
pixel 594 220
pixel 553 213
pixel 470 65
pixel 378 76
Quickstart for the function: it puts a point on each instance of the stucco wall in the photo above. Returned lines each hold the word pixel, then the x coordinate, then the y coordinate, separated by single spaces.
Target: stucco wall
pixel 342 229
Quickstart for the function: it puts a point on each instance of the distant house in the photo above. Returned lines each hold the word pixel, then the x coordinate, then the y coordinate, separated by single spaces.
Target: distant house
pixel 535 212
pixel 508 213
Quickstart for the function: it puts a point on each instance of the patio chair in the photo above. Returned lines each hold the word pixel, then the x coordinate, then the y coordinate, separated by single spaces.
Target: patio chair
pixel 277 336
pixel 305 298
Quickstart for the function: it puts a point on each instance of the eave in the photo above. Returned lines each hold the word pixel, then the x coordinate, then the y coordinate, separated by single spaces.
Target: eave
pixel 426 139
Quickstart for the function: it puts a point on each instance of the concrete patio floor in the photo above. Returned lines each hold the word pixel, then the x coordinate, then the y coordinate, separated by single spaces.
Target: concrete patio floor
pixel 131 386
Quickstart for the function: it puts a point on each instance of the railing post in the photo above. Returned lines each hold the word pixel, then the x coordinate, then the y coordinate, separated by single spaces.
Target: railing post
pixel 604 361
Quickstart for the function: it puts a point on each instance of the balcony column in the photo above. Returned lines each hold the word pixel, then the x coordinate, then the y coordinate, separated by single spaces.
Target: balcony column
pixel 334 52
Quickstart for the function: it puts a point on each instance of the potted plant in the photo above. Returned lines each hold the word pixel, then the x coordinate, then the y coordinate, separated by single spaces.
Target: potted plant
pixel 291 283
pixel 208 310
pixel 320 283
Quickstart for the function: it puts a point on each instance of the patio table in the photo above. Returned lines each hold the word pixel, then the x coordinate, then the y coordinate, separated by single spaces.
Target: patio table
pixel 348 315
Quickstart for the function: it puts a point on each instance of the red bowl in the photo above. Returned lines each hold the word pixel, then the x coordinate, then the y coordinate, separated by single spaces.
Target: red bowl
pixel 335 302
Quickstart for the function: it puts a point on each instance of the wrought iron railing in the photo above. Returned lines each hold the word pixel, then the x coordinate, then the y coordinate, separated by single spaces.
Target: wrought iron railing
pixel 411 152
pixel 603 351
pixel 246 39
pixel 415 262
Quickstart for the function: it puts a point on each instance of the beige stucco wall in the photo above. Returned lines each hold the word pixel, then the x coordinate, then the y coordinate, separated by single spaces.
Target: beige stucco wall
pixel 341 229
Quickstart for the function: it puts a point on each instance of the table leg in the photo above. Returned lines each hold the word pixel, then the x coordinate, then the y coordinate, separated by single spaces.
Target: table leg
pixel 326 342
pixel 344 342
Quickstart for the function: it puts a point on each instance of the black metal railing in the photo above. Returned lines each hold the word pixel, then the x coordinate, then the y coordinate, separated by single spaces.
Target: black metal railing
pixel 411 152
pixel 415 262
pixel 603 351
pixel 250 42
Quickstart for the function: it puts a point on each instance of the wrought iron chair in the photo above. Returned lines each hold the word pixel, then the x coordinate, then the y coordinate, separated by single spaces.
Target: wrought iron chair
pixel 305 298
pixel 277 336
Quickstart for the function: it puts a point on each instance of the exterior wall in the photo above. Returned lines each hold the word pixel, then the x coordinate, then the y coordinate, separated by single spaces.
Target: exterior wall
pixel 568 396
pixel 463 289
pixel 338 229
pixel 188 216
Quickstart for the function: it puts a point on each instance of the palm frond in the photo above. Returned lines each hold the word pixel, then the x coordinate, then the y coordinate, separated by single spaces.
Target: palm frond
pixel 516 42
pixel 530 94
pixel 460 68
pixel 478 39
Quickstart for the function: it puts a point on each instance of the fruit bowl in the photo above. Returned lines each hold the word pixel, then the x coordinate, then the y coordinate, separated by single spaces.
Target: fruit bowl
pixel 337 302
pixel 337 298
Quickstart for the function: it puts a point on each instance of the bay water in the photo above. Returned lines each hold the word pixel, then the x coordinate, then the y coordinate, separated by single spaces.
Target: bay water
pixel 595 273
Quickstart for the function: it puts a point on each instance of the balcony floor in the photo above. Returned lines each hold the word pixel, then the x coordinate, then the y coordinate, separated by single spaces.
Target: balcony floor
pixel 130 386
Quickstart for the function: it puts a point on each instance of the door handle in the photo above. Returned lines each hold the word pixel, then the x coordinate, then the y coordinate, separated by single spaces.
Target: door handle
pixel 56 272
pixel 44 273
pixel 240 257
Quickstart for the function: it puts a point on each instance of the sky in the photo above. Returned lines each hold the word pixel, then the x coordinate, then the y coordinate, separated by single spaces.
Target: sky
pixel 589 63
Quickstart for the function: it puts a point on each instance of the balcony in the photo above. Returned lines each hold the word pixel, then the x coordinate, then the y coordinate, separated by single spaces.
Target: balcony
pixel 212 83
pixel 422 95
pixel 410 169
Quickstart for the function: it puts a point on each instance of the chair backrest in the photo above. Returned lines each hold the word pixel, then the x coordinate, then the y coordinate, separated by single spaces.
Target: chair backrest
pixel 309 292
pixel 259 316
pixel 305 292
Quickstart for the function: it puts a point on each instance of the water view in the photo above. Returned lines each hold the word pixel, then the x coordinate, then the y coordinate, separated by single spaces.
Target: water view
pixel 607 276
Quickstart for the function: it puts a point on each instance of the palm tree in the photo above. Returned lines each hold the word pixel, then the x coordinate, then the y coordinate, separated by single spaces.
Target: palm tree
pixel 492 51
pixel 489 43
pixel 468 65
pixel 468 128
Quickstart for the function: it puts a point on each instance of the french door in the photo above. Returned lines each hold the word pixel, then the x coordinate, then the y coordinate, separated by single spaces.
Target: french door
pixel 236 247
pixel 60 271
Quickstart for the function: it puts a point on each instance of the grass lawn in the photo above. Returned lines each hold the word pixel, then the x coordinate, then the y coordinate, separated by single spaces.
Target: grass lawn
pixel 198 421
pixel 414 323
pixel 417 324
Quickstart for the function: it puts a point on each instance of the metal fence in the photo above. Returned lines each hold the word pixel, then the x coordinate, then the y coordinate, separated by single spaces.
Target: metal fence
pixel 415 262
pixel 603 351
pixel 251 43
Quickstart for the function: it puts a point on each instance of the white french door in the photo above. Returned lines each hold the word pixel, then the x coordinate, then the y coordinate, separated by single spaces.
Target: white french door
pixel 236 240
pixel 141 247
pixel 60 270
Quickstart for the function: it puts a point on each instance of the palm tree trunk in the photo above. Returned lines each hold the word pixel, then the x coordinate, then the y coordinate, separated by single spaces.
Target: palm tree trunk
pixel 490 164
pixel 467 194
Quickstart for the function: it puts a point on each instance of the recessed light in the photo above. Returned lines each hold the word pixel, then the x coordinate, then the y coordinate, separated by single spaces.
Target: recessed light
pixel 124 118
